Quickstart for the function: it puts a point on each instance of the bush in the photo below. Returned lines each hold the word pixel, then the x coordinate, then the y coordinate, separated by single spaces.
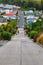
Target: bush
pixel 26 31
pixel 13 23
pixel 0 36
pixel 36 36
pixel 40 39
pixel 6 35
pixel 1 28
pixel 6 31
pixel 4 27
pixel 11 27
pixel 16 28
pixel 32 33
pixel 38 25
pixel 13 31
pixel 27 26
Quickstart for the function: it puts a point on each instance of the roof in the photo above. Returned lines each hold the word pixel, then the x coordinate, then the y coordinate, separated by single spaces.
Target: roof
pixel 28 17
pixel 11 13
pixel 29 12
pixel 8 6
pixel 1 5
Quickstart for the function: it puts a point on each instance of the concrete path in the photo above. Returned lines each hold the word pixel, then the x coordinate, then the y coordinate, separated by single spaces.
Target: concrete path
pixel 21 51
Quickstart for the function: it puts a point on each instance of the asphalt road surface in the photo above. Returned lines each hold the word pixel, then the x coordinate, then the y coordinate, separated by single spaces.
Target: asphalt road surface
pixel 21 19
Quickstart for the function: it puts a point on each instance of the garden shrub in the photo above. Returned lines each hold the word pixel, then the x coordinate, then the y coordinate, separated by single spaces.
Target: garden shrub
pixel 1 28
pixel 26 31
pixel 6 35
pixel 16 28
pixel 28 34
pixel 40 39
pixel 13 31
pixel 13 23
pixel 8 20
pixel 0 36
pixel 36 36
pixel 38 25
pixel 27 27
pixel 9 28
pixel 6 31
pixel 32 33
pixel 4 27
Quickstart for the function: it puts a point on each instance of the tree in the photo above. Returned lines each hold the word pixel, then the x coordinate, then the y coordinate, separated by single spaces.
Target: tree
pixel 30 4
pixel 42 4
pixel 0 1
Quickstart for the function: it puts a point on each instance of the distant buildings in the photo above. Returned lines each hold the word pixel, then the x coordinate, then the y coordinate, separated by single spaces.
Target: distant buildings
pixel 2 20
pixel 9 10
pixel 31 15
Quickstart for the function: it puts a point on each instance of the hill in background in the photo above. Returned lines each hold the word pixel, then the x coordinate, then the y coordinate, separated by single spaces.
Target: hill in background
pixel 36 1
pixel 24 3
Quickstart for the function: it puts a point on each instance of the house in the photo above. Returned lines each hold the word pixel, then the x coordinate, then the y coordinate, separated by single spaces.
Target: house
pixel 8 8
pixel 30 12
pixel 11 15
pixel 2 20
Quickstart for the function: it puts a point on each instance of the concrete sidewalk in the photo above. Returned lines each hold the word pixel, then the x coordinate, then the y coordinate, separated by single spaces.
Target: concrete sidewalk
pixel 21 51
